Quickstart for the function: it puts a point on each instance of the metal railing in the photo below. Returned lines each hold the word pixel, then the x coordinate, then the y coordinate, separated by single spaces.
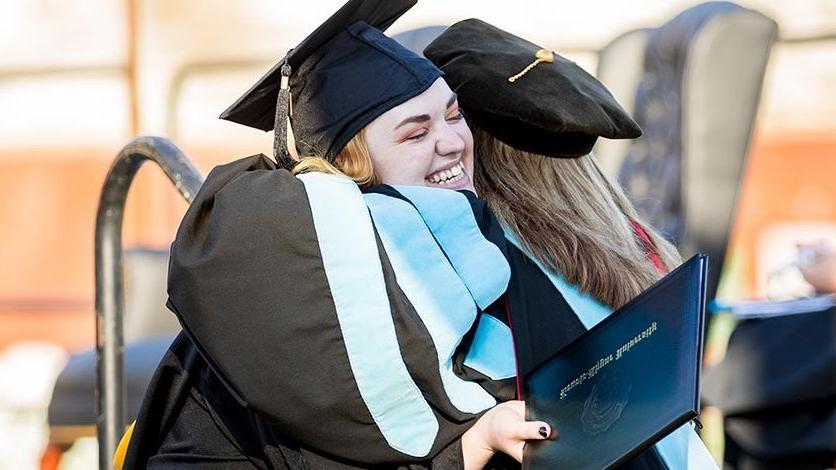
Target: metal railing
pixel 110 292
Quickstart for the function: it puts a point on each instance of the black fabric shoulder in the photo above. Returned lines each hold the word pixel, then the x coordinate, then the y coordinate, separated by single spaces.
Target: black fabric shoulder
pixel 247 282
pixel 189 419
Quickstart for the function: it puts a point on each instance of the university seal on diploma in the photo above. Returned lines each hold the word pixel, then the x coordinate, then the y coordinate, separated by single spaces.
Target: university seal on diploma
pixel 605 402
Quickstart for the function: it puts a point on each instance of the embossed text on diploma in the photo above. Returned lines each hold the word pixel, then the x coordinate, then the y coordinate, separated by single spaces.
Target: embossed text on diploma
pixel 604 361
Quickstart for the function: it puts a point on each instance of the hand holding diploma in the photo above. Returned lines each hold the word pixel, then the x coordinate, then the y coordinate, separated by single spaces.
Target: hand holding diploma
pixel 503 428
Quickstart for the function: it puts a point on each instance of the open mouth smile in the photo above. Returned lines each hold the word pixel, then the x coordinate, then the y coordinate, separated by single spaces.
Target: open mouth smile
pixel 448 176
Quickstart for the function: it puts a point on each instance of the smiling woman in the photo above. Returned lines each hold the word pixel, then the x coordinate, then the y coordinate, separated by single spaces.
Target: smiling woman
pixel 422 142
pixel 324 327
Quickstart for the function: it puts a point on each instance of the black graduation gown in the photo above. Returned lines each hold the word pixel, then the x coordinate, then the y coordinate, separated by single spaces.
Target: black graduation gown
pixel 190 419
pixel 260 376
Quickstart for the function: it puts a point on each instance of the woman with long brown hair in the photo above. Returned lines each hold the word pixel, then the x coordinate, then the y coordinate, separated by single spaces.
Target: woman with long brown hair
pixel 577 248
pixel 573 219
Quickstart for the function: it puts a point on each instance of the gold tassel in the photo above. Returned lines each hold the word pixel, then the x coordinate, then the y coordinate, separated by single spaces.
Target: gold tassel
pixel 542 55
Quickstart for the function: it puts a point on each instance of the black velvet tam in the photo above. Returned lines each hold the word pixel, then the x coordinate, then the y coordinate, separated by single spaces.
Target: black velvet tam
pixel 554 108
pixel 341 77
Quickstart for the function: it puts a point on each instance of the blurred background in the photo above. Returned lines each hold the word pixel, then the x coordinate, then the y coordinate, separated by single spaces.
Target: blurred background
pixel 78 80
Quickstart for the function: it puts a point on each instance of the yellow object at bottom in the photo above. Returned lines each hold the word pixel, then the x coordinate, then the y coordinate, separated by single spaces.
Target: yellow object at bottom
pixel 122 448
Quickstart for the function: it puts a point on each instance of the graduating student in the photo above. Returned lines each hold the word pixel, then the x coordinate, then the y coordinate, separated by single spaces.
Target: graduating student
pixel 325 328
pixel 576 246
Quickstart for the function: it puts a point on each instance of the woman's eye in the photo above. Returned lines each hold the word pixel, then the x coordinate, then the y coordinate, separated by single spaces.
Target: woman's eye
pixel 455 117
pixel 417 136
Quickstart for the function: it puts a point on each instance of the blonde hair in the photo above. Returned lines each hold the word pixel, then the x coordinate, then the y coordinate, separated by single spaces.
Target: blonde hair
pixel 353 161
pixel 570 217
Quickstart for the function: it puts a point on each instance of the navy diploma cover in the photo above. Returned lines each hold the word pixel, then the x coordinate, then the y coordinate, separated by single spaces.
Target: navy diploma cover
pixel 627 382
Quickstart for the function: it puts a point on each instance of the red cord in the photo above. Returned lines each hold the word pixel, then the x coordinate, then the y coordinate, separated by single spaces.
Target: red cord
pixel 516 361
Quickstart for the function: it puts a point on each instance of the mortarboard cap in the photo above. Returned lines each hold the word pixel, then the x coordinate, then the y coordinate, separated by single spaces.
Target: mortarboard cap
pixel 341 77
pixel 526 96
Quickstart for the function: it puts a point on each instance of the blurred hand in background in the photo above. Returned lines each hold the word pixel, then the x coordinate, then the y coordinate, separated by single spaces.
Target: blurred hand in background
pixel 817 262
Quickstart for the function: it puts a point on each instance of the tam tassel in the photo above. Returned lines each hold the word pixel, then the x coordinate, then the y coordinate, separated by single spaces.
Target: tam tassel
pixel 280 151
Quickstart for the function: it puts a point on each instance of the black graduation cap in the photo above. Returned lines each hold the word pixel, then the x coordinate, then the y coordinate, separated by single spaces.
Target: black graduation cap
pixel 524 95
pixel 341 77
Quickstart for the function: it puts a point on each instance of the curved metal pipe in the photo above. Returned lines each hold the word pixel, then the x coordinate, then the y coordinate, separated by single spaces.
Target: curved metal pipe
pixel 110 294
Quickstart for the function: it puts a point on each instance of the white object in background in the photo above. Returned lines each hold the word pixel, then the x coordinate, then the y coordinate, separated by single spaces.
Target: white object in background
pixel 28 371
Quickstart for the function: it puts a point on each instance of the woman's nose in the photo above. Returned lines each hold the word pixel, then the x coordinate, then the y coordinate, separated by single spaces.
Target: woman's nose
pixel 449 142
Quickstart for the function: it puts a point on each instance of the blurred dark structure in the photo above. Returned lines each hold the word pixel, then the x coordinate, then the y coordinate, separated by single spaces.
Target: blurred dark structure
pixel 694 85
pixel 776 388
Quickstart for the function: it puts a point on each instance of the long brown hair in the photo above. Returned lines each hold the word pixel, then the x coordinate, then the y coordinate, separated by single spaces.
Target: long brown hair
pixel 570 217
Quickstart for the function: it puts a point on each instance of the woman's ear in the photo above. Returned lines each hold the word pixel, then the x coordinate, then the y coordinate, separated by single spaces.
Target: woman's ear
pixel 291 142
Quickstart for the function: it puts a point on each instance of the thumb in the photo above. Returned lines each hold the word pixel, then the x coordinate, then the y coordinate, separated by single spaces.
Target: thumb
pixel 533 430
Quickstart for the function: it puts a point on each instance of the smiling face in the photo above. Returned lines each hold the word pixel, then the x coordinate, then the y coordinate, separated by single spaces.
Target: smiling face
pixel 423 142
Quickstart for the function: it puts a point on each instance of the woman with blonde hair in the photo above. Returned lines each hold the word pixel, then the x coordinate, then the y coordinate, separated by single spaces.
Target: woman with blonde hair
pixel 324 327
